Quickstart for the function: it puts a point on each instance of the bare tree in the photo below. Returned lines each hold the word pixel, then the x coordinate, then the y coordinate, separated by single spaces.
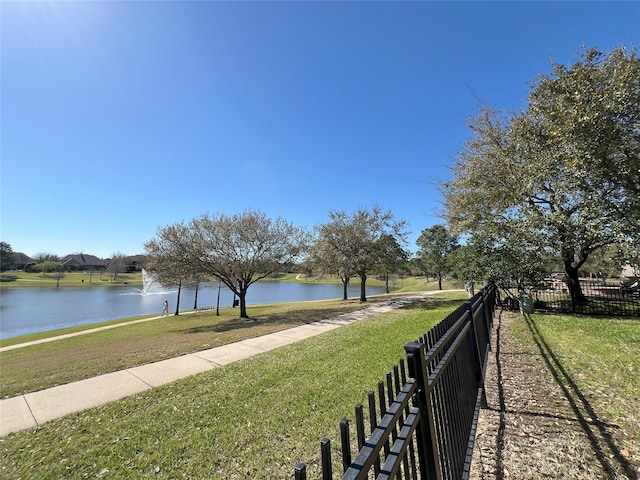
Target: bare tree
pixel 172 256
pixel 44 257
pixel 117 264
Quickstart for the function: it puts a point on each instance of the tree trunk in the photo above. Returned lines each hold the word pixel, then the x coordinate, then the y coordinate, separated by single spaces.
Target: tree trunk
pixel 575 289
pixel 218 301
pixel 178 301
pixel 386 283
pixel 243 304
pixel 439 282
pixel 363 287
pixel 345 284
pixel 242 298
pixel 195 302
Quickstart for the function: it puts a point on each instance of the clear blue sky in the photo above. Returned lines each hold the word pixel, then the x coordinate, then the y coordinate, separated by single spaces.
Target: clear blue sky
pixel 121 117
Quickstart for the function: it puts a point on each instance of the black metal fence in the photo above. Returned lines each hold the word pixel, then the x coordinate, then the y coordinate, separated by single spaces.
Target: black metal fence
pixel 601 299
pixel 422 424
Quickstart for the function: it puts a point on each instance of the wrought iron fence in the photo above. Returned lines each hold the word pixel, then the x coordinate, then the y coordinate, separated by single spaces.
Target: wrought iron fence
pixel 422 424
pixel 600 299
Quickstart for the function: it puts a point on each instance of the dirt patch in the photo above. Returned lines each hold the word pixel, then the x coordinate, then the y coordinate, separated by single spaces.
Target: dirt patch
pixel 539 424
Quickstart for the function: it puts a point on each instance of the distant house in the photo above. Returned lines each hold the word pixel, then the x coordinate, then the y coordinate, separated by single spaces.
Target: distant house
pixel 82 262
pixel 22 262
pixel 135 263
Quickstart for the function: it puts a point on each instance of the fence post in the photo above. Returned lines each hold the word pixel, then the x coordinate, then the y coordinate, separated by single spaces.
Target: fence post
pixel 300 471
pixel 416 364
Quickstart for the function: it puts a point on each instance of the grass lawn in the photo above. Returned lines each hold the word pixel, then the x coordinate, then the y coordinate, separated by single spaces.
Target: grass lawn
pixel 596 360
pixel 255 418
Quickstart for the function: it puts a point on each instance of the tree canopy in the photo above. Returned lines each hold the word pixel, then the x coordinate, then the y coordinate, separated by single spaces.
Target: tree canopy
pixel 6 256
pixel 391 258
pixel 172 256
pixel 241 249
pixel 562 175
pixel 351 240
pixel 434 246
pixel 238 250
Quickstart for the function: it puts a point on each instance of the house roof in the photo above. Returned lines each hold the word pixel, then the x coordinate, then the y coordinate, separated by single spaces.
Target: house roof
pixel 82 260
pixel 20 258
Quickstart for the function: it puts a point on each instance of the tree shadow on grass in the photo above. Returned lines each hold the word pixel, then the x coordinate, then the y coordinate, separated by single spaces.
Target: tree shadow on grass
pixel 288 319
pixel 603 444
pixel 431 303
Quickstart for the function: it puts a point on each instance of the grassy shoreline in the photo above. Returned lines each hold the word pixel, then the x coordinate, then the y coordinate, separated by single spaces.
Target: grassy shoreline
pixel 102 279
pixel 70 279
pixel 407 285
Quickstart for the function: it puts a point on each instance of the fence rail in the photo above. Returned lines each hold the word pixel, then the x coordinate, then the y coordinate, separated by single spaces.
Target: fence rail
pixel 422 423
pixel 600 299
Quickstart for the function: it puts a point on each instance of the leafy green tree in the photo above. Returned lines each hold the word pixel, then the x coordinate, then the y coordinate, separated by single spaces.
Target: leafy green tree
pixel 467 264
pixel 6 256
pixel 434 245
pixel 506 263
pixel 241 249
pixel 604 263
pixel 48 266
pixel 628 253
pixel 391 258
pixel 353 239
pixel 325 257
pixel 563 174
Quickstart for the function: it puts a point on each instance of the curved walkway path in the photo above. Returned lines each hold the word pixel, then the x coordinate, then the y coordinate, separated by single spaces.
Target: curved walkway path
pixel 33 409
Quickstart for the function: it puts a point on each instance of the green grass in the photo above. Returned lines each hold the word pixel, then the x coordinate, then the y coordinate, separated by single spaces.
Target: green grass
pixel 255 418
pixel 597 359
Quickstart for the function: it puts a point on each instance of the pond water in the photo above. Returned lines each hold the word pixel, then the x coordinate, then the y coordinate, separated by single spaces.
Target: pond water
pixel 27 310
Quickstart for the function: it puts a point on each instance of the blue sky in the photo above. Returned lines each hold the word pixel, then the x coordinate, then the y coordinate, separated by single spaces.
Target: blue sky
pixel 121 117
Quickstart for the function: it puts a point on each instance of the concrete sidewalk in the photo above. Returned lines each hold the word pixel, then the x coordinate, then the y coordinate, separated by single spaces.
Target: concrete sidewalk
pixel 33 409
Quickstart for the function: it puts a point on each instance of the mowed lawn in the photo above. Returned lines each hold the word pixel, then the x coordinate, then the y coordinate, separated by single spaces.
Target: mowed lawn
pixel 255 418
pixel 596 361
